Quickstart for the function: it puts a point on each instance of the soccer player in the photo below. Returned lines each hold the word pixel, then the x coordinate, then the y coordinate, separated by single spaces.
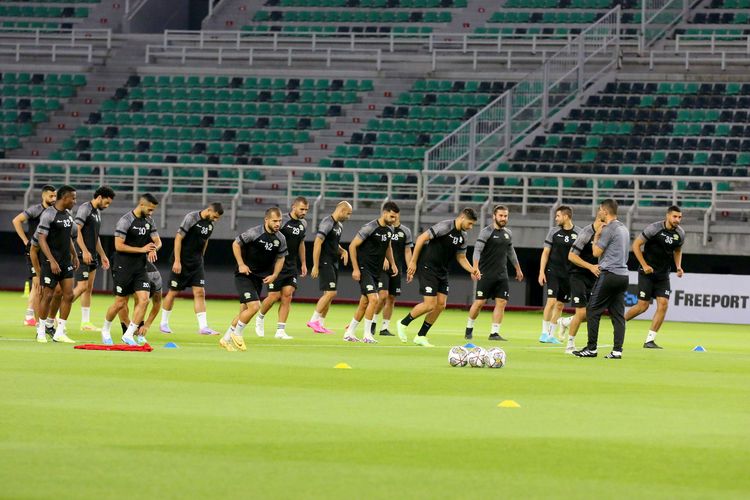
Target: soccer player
pixel 492 251
pixel 389 287
pixel 31 216
pixel 155 294
pixel 90 252
pixel 441 242
pixel 55 234
pixel 368 251
pixel 326 255
pixel 553 270
pixel 259 253
pixel 136 243
pixel 294 228
pixel 190 245
pixel 662 246
pixel 584 269
pixel 610 245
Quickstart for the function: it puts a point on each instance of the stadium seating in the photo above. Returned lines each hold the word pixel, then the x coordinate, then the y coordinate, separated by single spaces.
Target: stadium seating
pixel 227 120
pixel 726 19
pixel 27 99
pixel 45 14
pixel 695 129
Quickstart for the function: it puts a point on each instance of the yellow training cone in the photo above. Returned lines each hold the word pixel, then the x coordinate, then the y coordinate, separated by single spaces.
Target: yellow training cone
pixel 26 289
pixel 343 366
pixel 508 403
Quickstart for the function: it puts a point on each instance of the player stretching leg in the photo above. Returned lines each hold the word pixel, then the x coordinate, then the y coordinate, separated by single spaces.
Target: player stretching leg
pixel 259 253
pixel 368 250
pixel 294 228
pixel 662 245
pixel 326 255
pixel 31 216
pixel 136 243
pixel 493 250
pixel 441 243
pixel 190 245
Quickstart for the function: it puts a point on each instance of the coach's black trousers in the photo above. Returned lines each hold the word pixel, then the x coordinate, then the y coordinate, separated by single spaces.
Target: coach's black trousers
pixel 608 293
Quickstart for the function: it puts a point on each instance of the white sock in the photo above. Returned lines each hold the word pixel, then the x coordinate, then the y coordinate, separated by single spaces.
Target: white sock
pixel 571 341
pixel 375 321
pixel 165 316
pixel 280 327
pixel 49 322
pixel 315 317
pixel 239 328
pixel 385 325
pixel 107 330
pixel 60 327
pixel 495 328
pixel 352 328
pixel 368 327
pixel 565 322
pixel 202 320
pixel 470 323
pixel 651 336
pixel 40 329
pixel 85 314
pixel 545 327
pixel 259 317
pixel 132 328
pixel 322 320
pixel 29 313
pixel 552 327
pixel 227 335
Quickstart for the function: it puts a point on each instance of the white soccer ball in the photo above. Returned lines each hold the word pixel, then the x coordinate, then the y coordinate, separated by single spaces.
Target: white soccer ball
pixel 495 358
pixel 458 355
pixel 476 357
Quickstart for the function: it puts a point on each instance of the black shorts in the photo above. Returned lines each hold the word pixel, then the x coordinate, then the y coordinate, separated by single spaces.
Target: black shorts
pixel 285 279
pixel 390 283
pixel 368 281
pixel 493 288
pixel 84 270
pixel 50 280
pixel 32 271
pixel 580 288
pixel 652 285
pixel 558 287
pixel 328 276
pixel 431 283
pixel 189 277
pixel 248 287
pixel 127 280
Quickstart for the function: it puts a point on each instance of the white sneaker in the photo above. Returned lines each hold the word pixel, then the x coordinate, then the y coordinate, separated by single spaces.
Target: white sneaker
pixel 401 329
pixel 569 350
pixel 283 336
pixel 259 328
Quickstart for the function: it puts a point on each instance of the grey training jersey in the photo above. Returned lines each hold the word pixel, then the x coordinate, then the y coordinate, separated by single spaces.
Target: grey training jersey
pixel 493 249
pixel 615 242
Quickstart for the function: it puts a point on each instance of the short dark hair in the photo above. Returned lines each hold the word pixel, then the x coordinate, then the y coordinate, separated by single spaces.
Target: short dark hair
pixel 272 211
pixel 497 208
pixel 469 213
pixel 566 210
pixel 674 208
pixel 104 192
pixel 65 190
pixel 48 187
pixel 610 205
pixel 150 198
pixel 217 207
pixel 390 206
pixel 300 199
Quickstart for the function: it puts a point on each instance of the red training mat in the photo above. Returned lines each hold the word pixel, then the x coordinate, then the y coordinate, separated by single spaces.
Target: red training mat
pixel 117 347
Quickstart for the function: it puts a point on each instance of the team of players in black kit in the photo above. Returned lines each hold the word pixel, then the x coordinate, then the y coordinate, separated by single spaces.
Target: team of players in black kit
pixel 587 266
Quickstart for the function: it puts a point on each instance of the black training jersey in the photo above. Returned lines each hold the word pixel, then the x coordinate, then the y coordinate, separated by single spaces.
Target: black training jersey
pixel 330 232
pixel 399 241
pixel 294 231
pixel 559 240
pixel 375 240
pixel 90 221
pixel 445 242
pixel 583 247
pixel 494 248
pixel 32 215
pixel 660 246
pixel 59 227
pixel 261 250
pixel 195 232
pixel 137 232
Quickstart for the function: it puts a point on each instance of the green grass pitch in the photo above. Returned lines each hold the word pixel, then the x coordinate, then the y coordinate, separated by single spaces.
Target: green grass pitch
pixel 278 421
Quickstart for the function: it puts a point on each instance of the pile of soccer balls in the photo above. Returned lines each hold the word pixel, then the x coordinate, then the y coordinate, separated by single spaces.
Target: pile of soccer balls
pixel 476 357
